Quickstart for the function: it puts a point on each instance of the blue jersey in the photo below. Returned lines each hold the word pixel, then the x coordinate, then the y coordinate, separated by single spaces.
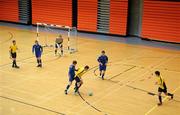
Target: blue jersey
pixel 37 49
pixel 103 59
pixel 71 70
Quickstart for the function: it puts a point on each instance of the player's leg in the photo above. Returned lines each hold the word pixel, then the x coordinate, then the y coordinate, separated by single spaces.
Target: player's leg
pixel 77 84
pixel 100 70
pixel 165 91
pixel 14 60
pixel 67 87
pixel 80 83
pixel 159 96
pixel 40 62
pixel 37 58
pixel 56 48
pixel 71 78
pixel 61 47
pixel 103 71
pixel 168 94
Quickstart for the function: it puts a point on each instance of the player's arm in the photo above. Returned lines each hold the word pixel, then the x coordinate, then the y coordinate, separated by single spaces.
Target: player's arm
pixel 99 60
pixel 41 49
pixel 106 59
pixel 10 51
pixel 33 49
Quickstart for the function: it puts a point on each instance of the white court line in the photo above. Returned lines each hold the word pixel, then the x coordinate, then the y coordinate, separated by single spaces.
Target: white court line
pixel 154 107
pixel 116 89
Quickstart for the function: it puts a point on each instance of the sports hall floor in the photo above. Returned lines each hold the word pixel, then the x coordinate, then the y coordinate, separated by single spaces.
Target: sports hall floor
pixel 40 91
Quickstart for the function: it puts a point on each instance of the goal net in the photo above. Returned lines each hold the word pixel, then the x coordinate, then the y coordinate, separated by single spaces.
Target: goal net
pixel 47 33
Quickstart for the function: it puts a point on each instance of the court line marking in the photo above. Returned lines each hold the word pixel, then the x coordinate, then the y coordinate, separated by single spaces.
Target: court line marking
pixel 94 67
pixel 148 92
pixel 154 107
pixel 89 103
pixel 160 63
pixel 10 38
pixel 142 51
pixel 22 102
pixel 148 71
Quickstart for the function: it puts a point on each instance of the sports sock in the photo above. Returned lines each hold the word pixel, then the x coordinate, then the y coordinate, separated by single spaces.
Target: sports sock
pixel 160 99
pixel 14 63
pixel 67 87
pixel 103 75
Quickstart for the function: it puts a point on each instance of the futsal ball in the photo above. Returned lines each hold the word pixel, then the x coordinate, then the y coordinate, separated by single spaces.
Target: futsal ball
pixel 90 93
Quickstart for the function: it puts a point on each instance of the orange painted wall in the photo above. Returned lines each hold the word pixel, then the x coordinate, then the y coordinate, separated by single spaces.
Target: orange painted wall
pixel 161 20
pixel 87 15
pixel 52 12
pixel 118 16
pixel 9 10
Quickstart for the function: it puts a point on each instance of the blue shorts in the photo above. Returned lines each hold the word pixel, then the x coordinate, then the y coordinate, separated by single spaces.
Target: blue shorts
pixel 38 55
pixel 102 67
pixel 71 78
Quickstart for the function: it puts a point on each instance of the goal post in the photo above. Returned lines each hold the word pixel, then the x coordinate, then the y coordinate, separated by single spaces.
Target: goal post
pixel 48 32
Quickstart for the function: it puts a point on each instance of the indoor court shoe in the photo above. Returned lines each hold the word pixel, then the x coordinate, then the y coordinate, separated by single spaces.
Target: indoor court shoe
pixel 172 96
pixel 39 65
pixel 159 104
pixel 16 67
pixel 65 91
pixel 76 93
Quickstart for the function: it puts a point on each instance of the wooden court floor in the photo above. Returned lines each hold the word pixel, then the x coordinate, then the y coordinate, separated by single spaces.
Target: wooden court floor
pixel 40 91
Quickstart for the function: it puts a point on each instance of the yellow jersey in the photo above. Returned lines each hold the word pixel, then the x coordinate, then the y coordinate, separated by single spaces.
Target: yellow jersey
pixel 13 48
pixel 80 72
pixel 161 82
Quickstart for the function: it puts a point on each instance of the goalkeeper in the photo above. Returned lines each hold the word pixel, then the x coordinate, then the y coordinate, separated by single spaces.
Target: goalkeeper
pixel 59 45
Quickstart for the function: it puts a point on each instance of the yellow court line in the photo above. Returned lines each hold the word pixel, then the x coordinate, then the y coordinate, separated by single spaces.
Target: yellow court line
pixel 154 107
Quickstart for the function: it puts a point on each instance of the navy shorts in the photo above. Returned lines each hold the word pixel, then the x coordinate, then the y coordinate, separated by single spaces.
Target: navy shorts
pixel 102 67
pixel 38 55
pixel 77 79
pixel 71 78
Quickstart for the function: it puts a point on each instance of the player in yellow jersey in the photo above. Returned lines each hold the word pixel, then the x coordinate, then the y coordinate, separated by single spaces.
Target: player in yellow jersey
pixel 162 87
pixel 80 72
pixel 12 50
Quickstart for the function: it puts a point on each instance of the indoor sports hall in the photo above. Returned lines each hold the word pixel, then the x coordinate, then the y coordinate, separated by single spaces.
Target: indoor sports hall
pixel 123 57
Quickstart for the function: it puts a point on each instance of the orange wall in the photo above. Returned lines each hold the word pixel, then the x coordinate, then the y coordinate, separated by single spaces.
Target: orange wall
pixel 161 20
pixel 9 10
pixel 87 15
pixel 52 12
pixel 118 16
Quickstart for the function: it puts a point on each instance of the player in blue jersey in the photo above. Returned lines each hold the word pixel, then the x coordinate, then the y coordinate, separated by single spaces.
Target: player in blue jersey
pixel 37 49
pixel 103 60
pixel 71 74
